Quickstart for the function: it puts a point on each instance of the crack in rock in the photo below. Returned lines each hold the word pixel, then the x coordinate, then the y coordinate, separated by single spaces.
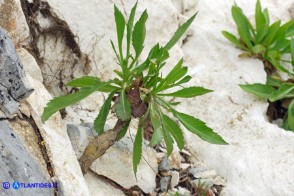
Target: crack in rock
pixel 54 47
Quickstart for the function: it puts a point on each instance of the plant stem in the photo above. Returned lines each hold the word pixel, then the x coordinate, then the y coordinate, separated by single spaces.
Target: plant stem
pixel 98 146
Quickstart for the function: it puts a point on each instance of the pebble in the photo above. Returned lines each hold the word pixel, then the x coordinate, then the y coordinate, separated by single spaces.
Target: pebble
pixel 219 181
pixel 164 183
pixel 164 165
pixel 194 171
pixel 175 178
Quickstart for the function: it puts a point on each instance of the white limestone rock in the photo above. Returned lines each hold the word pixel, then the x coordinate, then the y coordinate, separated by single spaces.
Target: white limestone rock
pixel 60 152
pixel 117 164
pixel 260 155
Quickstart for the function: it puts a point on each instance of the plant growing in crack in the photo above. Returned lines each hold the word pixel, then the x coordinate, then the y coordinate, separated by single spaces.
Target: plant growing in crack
pixel 266 42
pixel 138 92
pixel 275 90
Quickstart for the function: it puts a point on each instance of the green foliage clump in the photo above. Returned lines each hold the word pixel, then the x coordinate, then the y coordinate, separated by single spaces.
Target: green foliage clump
pixel 266 41
pixel 270 43
pixel 139 91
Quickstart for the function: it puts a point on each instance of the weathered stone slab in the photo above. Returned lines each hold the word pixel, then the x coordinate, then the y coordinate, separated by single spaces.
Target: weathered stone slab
pixel 17 165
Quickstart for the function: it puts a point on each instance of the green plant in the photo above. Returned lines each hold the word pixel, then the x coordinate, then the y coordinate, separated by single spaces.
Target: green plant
pixel 266 42
pixel 277 89
pixel 138 92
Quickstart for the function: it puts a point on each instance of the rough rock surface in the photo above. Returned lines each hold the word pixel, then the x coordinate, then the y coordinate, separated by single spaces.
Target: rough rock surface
pixel 16 164
pixel 13 84
pixel 260 155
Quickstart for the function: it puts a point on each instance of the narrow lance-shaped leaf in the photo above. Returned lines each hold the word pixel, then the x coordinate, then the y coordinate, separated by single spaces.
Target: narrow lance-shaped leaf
pixel 234 40
pixel 175 130
pixel 130 28
pixel 92 82
pixel 188 92
pixel 157 126
pixel 85 81
pixel 123 132
pixel 290 119
pixel 260 90
pixel 285 91
pixel 178 34
pixel 242 24
pixel 137 151
pixel 259 17
pixel 58 103
pixel 120 28
pixel 123 107
pixel 139 33
pixel 99 122
pixel 199 128
pixel 292 52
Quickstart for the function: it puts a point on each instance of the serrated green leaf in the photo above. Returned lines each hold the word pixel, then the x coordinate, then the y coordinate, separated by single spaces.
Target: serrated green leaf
pixel 290 118
pixel 139 33
pixel 123 132
pixel 137 150
pixel 58 103
pixel 199 128
pixel 99 122
pixel 92 82
pixel 156 137
pixel 285 91
pixel 130 27
pixel 168 140
pixel 243 25
pixel 179 33
pixel 175 130
pixel 123 107
pixel 234 40
pixel 120 28
pixel 85 81
pixel 188 92
pixel 260 90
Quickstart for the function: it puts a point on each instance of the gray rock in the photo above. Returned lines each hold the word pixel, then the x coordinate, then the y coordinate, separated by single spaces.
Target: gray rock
pixel 164 183
pixel 164 165
pixel 17 165
pixel 194 171
pixel 80 136
pixel 14 86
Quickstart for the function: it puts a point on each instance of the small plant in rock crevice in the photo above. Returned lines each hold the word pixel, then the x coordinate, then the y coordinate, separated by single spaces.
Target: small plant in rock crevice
pixel 277 90
pixel 138 92
pixel 268 42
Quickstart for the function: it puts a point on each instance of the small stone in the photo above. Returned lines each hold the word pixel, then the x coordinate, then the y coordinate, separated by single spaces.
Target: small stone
pixel 175 178
pixel 203 173
pixel 208 183
pixel 219 181
pixel 183 191
pixel 164 183
pixel 160 155
pixel 164 165
pixel 184 166
pixel 194 171
pixel 207 174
